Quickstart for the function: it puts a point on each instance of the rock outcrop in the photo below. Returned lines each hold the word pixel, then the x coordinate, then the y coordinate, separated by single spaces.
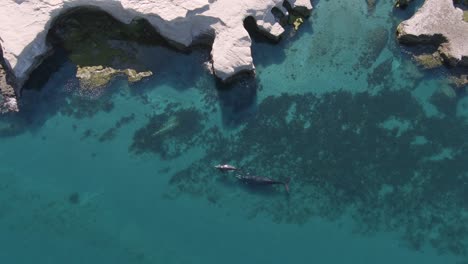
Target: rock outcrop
pixel 24 25
pixel 7 93
pixel 97 76
pixel 438 22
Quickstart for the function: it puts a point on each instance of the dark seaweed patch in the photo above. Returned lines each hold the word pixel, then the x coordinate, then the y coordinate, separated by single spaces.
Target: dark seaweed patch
pixel 74 198
pixel 344 156
pixel 376 42
pixel 82 107
pixel 381 75
pixel 168 134
pixel 110 133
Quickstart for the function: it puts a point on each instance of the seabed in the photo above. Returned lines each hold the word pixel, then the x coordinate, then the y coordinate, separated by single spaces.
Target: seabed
pixel 374 143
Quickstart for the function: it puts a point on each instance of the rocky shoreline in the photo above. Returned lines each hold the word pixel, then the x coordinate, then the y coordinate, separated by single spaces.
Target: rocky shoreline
pixel 24 26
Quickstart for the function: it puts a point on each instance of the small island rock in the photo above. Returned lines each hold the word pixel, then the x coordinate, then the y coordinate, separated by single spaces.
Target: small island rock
pixel 438 22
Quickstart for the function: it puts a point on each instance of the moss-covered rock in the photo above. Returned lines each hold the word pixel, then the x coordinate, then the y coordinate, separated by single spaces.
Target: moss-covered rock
pixel 297 23
pixel 98 76
pixel 134 76
pixel 94 76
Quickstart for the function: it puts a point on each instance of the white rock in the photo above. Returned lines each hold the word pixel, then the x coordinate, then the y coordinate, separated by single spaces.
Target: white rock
pixel 24 25
pixel 438 19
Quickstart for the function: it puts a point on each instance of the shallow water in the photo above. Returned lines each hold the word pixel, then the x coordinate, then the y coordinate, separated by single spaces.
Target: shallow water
pixel 375 148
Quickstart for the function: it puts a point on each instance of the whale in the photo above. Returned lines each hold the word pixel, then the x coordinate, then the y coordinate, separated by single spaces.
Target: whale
pixel 225 167
pixel 256 180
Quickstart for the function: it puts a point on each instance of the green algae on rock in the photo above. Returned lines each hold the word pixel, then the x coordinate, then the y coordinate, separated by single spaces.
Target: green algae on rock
pixel 97 76
pixel 100 45
pixel 429 61
pixel 134 76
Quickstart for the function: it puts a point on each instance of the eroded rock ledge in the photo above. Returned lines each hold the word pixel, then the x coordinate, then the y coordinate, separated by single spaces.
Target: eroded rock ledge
pixel 24 25
pixel 438 22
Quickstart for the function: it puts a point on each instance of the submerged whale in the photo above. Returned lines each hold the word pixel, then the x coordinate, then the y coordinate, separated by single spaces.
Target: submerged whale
pixel 262 181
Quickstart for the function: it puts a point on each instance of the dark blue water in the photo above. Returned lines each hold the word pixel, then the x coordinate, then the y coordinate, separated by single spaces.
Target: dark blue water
pixel 375 148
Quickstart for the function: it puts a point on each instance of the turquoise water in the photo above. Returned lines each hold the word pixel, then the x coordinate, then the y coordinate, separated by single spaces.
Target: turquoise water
pixel 375 147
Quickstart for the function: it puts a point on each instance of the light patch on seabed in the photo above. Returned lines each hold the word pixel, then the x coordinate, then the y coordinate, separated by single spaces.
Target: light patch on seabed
pixel 445 153
pixel 385 190
pixel 396 123
pixel 462 108
pixel 291 113
pixel 419 140
pixel 423 93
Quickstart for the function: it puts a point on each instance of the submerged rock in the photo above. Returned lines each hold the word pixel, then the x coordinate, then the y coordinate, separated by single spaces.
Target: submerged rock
pixel 402 3
pixel 429 61
pixel 448 91
pixel 99 76
pixel 134 76
pixel 460 82
pixel 440 23
pixel 371 5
